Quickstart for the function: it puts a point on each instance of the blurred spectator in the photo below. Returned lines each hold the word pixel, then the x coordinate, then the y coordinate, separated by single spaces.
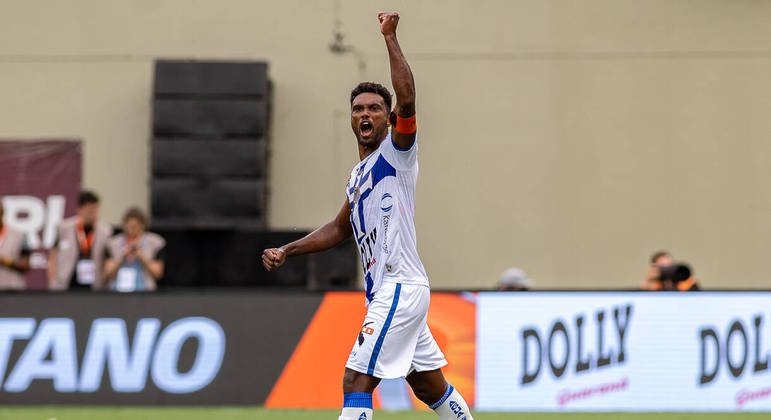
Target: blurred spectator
pixel 664 274
pixel 514 279
pixel 135 256
pixel 76 260
pixel 658 259
pixel 14 256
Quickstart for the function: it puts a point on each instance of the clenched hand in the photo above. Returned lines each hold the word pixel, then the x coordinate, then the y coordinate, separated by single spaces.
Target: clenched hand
pixel 273 258
pixel 388 22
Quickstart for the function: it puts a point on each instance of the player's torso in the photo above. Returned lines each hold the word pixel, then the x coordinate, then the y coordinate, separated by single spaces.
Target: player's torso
pixel 382 200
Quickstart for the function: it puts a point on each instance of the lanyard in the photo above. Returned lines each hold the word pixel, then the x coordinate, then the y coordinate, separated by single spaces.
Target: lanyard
pixel 84 241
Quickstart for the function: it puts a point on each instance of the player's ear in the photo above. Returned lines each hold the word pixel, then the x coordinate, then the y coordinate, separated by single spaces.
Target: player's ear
pixel 392 118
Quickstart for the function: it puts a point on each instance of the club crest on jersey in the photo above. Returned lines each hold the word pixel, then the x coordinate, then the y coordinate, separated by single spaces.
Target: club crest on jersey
pixel 356 195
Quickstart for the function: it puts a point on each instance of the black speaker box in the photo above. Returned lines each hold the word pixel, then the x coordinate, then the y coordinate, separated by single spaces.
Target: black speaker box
pixel 206 117
pixel 178 77
pixel 208 202
pixel 210 144
pixel 209 157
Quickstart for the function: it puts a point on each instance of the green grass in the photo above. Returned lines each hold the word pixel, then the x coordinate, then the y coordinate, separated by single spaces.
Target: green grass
pixel 240 413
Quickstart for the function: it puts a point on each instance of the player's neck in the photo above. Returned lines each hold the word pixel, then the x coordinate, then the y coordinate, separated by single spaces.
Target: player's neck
pixel 365 151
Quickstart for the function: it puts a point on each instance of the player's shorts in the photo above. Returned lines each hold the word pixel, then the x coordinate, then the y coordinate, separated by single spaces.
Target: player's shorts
pixel 394 339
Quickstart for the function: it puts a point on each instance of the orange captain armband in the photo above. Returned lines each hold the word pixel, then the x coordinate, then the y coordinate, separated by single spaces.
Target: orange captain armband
pixel 404 125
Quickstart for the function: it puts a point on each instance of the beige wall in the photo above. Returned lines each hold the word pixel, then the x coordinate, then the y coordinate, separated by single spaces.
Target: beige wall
pixel 570 138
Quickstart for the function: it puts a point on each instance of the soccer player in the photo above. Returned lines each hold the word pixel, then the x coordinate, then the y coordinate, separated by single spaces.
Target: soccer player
pixel 394 340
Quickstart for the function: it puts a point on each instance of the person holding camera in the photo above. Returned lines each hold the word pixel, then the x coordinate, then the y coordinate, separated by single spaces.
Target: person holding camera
pixel 666 275
pixel 135 262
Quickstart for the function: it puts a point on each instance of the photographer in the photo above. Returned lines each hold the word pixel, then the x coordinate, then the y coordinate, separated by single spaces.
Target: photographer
pixel 666 275
pixel 658 260
pixel 76 260
pixel 135 261
pixel 14 256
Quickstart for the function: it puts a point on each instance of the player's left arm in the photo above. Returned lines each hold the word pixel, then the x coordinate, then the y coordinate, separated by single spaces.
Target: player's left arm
pixel 403 134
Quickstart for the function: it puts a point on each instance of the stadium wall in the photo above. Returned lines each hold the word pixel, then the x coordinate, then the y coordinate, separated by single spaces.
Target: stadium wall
pixel 558 351
pixel 568 138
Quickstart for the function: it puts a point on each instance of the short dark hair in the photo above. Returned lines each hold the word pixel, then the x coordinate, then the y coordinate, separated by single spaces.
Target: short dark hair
pixel 659 254
pixel 87 197
pixel 372 87
pixel 135 213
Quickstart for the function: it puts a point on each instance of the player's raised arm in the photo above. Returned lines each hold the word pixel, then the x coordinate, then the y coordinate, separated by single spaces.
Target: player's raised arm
pixel 323 238
pixel 404 129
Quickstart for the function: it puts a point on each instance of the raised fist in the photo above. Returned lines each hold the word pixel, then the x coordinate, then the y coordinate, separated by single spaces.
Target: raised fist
pixel 388 22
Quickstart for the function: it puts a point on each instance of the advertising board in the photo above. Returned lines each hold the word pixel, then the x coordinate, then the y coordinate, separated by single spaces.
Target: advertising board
pixel 583 351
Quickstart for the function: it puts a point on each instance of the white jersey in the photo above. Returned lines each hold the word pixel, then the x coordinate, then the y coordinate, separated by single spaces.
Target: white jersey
pixel 381 193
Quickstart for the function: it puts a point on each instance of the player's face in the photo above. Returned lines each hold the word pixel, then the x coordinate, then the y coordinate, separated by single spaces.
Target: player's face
pixel 369 119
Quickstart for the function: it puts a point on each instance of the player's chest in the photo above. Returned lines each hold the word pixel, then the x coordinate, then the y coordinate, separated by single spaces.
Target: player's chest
pixel 359 184
pixel 373 174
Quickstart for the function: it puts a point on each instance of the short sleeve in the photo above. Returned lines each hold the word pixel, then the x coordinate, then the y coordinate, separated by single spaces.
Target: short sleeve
pixel 400 158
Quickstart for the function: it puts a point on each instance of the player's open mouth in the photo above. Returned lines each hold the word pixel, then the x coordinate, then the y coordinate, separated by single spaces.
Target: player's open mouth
pixel 366 128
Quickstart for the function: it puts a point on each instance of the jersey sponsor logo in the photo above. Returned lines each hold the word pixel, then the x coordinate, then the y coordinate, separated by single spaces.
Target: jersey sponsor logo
pixel 367 250
pixel 363 416
pixel 386 202
pixel 365 330
pixel 386 221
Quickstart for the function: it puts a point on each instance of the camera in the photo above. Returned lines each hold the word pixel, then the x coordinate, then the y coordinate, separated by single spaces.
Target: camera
pixel 675 273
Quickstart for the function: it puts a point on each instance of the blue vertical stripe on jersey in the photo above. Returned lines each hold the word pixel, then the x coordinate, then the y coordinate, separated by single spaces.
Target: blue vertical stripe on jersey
pixel 383 331
pixel 370 283
pixel 380 170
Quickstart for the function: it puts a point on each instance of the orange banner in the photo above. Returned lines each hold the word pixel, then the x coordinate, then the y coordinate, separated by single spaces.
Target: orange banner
pixel 313 376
